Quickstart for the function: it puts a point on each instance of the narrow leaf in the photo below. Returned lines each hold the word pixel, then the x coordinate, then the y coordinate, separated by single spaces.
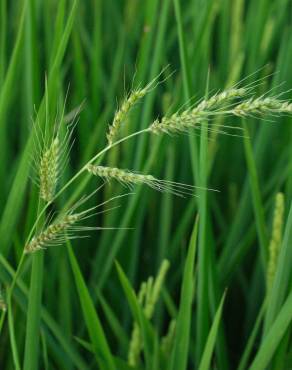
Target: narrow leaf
pixel 180 351
pixel 98 340
pixel 209 348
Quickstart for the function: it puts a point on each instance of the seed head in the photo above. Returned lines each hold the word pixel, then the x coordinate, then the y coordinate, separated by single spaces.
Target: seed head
pixel 122 113
pixel 54 234
pixel 147 297
pixel 219 100
pixel 262 106
pixel 191 118
pixel 276 238
pixel 49 170
pixel 123 176
pixel 67 225
pixel 129 178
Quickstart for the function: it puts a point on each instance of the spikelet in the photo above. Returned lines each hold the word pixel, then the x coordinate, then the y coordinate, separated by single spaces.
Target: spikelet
pixel 219 100
pixel 219 105
pixel 191 118
pixel 122 114
pixel 66 226
pixel 276 238
pixel 262 106
pixel 175 123
pixel 147 297
pixel 49 170
pixel 54 234
pixel 129 178
pixel 51 153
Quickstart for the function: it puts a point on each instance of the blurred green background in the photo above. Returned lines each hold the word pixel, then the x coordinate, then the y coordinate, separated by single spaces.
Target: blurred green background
pixel 95 52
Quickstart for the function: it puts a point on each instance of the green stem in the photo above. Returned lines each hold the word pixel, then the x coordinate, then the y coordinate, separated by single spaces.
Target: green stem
pixel 32 337
pixel 10 290
pixel 256 196
pixel 203 248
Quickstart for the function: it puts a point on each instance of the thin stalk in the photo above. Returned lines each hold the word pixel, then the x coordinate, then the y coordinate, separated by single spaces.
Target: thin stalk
pixel 203 248
pixel 31 351
pixel 12 337
pixel 10 289
pixel 256 196
pixel 32 338
pixel 186 81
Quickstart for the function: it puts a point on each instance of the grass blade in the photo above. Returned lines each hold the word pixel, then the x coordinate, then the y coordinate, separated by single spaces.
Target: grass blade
pixel 273 336
pixel 137 312
pixel 256 196
pixel 252 338
pixel 179 354
pixel 100 346
pixel 210 344
pixel 282 276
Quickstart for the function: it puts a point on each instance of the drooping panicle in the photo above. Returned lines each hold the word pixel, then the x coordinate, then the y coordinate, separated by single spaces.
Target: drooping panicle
pixel 67 225
pixel 130 178
pixel 54 234
pixel 221 104
pixel 123 176
pixel 191 118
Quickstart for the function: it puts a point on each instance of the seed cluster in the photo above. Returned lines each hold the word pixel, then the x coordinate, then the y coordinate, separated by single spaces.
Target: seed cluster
pixel 217 100
pixel 190 118
pixel 217 105
pixel 262 106
pixel 122 113
pixel 53 234
pixel 51 157
pixel 175 123
pixel 147 297
pixel 131 178
pixel 48 170
pixel 276 238
pixel 123 176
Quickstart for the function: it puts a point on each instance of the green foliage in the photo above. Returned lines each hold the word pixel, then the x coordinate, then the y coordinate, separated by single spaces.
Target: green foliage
pixel 68 307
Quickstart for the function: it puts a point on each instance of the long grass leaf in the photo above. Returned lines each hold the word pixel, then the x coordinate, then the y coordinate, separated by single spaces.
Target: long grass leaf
pixel 97 336
pixel 273 336
pixel 210 344
pixel 179 355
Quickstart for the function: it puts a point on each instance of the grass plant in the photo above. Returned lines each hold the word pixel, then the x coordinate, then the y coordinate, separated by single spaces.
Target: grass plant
pixel 146 215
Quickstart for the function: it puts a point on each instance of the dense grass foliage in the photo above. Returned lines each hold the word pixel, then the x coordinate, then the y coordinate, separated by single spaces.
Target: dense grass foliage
pixel 164 282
